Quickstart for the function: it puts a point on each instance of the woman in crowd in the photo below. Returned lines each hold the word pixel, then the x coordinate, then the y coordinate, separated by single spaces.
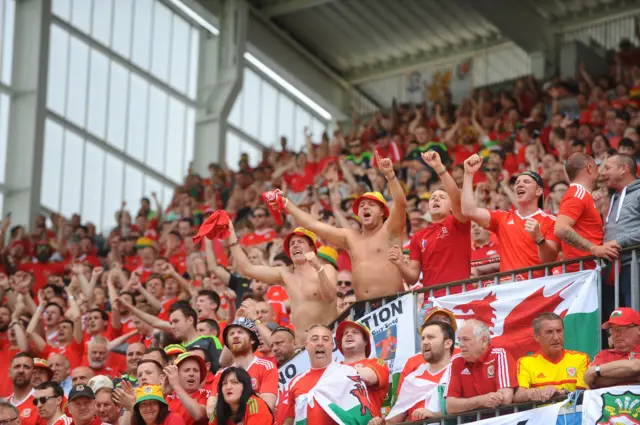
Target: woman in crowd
pixel 152 409
pixel 237 402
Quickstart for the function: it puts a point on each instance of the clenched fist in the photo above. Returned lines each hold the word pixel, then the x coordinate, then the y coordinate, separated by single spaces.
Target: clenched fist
pixel 432 158
pixel 472 164
pixel 533 228
pixel 395 255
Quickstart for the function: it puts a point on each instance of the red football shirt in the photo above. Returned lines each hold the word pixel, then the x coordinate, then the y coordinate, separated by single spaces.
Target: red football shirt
pixel 491 249
pixel 264 377
pixel 392 151
pixel 27 411
pixel 257 413
pixel 299 182
pixel 518 249
pixel 72 351
pixel 6 355
pixel 377 393
pixel 176 406
pixel 301 385
pixel 444 252
pixel 608 356
pixel 41 271
pixel 495 370
pixel 259 237
pixel 578 205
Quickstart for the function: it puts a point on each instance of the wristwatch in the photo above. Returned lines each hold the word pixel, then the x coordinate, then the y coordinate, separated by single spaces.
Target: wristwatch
pixel 597 370
pixel 257 322
pixel 541 241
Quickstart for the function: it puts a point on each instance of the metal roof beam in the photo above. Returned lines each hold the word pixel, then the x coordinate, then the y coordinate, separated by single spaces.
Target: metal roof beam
pixel 517 22
pixel 284 7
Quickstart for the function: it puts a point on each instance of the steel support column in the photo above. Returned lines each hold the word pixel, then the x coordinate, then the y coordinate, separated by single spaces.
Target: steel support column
pixel 27 113
pixel 219 82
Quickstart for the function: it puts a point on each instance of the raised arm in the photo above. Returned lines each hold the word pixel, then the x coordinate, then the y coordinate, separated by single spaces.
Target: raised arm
pixel 432 158
pixel 267 274
pixel 121 340
pixel 146 317
pixel 398 213
pixel 113 295
pixel 168 270
pixel 468 204
pixel 212 263
pixel 74 314
pixel 335 236
pixel 86 286
pixel 137 286
pixel 308 145
pixel 326 275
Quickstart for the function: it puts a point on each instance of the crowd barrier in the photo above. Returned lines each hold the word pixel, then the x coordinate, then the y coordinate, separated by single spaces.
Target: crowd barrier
pixel 610 271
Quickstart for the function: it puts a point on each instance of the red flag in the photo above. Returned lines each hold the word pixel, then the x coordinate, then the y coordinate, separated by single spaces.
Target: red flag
pixel 274 197
pixel 214 227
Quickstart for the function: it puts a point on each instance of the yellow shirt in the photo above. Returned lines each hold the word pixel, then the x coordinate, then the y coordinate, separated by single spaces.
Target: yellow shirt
pixel 536 370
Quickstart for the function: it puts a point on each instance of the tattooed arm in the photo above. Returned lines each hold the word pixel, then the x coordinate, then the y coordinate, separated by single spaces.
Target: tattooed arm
pixel 565 232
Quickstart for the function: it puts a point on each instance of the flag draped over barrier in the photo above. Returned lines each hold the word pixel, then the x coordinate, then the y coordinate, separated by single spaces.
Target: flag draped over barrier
pixel 612 406
pixel 547 415
pixel 509 310
pixel 393 339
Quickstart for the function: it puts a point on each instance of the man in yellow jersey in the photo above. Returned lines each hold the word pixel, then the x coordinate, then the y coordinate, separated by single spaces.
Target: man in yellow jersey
pixel 551 371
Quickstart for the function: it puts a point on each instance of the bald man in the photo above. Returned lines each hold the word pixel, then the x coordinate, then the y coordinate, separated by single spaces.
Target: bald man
pixel 81 375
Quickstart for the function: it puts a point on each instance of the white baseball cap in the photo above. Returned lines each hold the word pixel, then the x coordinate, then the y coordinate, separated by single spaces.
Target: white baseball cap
pixel 99 382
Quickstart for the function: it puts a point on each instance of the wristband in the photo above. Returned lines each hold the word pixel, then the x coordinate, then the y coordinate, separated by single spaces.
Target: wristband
pixel 541 241
pixel 392 177
pixel 231 245
pixel 321 269
pixel 439 173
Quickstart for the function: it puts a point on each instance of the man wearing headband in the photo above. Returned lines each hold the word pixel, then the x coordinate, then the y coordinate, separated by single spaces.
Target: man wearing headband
pixel 373 275
pixel 311 285
pixel 526 235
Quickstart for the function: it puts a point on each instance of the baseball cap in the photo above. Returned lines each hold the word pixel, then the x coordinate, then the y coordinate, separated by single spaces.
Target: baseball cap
pixel 622 316
pixel 81 391
pixel 367 335
pixel 538 179
pixel 99 382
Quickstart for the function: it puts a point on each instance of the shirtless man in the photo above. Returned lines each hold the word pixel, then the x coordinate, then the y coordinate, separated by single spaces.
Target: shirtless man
pixel 373 274
pixel 311 286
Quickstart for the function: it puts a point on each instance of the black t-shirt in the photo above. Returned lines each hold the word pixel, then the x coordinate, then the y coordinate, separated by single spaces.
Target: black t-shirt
pixel 239 285
pixel 210 344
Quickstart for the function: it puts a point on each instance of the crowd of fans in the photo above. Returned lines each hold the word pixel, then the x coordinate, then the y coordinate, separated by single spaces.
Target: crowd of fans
pixel 184 313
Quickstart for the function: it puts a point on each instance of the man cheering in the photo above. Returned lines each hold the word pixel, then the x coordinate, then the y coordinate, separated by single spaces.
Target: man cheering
pixel 373 275
pixel 311 286
pixel 354 342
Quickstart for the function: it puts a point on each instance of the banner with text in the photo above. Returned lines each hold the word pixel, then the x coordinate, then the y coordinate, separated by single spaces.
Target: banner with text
pixel 547 415
pixel 393 339
pixel 614 405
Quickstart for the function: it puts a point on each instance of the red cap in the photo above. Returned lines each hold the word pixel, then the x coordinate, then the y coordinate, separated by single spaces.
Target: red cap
pixel 365 332
pixel 622 316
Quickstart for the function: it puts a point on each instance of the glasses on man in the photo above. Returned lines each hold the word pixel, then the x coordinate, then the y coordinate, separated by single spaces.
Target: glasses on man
pixel 41 400
pixel 620 329
pixel 346 283
pixel 9 421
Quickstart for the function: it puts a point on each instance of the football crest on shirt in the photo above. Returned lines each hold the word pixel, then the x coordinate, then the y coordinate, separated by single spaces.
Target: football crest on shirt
pixel 443 233
pixel 491 371
pixel 26 413
pixel 632 355
pixel 254 383
pixel 571 371
pixel 423 244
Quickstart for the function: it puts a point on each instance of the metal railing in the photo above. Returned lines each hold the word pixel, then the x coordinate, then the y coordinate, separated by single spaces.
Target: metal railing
pixel 628 255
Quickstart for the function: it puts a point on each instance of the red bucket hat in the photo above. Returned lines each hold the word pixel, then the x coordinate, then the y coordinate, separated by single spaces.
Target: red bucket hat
pixel 374 196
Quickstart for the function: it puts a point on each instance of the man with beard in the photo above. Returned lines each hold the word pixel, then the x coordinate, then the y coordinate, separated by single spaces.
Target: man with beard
pixel 442 250
pixel 82 406
pixel 98 356
pixel 49 400
pixel 41 372
pixel 354 342
pixel 60 366
pixel 69 335
pixel 373 275
pixel 241 338
pixel 283 346
pixel 185 377
pixel 182 324
pixel 417 402
pixel 313 300
pixel 20 371
pixel 135 351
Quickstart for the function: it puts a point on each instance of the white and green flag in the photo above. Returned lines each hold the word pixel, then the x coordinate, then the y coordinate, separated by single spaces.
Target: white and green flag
pixel 416 388
pixel 509 310
pixel 612 406
pixel 393 339
pixel 342 395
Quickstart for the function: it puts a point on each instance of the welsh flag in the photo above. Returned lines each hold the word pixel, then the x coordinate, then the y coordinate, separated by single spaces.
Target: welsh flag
pixel 341 393
pixel 509 310
pixel 614 405
pixel 418 388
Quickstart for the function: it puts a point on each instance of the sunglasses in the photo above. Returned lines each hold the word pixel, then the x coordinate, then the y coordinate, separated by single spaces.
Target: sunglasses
pixel 42 400
pixel 259 216
pixel 492 169
pixel 346 283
